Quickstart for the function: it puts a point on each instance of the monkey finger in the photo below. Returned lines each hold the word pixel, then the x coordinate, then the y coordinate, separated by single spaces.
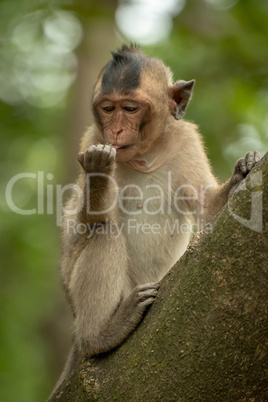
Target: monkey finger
pixel 109 150
pixel 150 285
pixel 257 156
pixel 147 302
pixel 80 158
pixel 251 159
pixel 241 166
pixel 149 293
pixel 103 153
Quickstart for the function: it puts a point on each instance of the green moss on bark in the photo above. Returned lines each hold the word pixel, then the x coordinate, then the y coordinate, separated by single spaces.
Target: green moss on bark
pixel 205 337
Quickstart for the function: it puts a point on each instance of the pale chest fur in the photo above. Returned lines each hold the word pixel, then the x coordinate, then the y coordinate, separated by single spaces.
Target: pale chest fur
pixel 155 221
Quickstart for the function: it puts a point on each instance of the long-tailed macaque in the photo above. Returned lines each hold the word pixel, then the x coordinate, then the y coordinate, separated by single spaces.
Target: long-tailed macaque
pixel 145 181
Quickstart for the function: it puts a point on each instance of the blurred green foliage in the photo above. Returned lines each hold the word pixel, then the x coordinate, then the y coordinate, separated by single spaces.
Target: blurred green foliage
pixel 226 51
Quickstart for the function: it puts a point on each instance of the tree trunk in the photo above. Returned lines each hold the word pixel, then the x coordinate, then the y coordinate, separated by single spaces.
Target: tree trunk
pixel 205 336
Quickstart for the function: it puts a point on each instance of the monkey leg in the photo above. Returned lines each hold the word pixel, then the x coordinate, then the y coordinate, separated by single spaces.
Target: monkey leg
pixel 105 306
pixel 122 322
pixel 99 185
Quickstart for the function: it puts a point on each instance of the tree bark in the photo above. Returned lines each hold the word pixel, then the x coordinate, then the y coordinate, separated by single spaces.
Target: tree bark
pixel 205 336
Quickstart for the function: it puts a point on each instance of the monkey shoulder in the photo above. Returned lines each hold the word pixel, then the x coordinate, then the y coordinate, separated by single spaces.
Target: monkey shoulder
pixel 187 135
pixel 190 156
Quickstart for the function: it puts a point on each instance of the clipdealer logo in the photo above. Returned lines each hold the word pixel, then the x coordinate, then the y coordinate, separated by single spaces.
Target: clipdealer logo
pixel 154 199
pixel 47 193
pixel 255 222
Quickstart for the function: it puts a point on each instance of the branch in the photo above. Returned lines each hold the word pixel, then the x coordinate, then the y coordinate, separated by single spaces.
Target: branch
pixel 204 337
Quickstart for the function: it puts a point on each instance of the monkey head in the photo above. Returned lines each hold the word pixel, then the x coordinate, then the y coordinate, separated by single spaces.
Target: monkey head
pixel 133 99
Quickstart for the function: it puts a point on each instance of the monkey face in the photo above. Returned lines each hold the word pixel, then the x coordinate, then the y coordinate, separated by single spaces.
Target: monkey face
pixel 133 99
pixel 122 120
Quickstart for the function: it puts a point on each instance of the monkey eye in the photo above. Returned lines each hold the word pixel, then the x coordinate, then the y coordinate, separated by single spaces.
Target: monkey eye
pixel 130 108
pixel 108 108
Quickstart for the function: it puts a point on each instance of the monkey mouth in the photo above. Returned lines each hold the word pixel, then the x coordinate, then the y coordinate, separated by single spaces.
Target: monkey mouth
pixel 119 147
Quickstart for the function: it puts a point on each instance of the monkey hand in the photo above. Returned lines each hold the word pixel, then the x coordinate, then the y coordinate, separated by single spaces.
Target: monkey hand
pixel 243 166
pixel 98 158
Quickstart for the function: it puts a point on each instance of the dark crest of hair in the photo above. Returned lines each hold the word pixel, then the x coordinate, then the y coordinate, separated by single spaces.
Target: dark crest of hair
pixel 122 73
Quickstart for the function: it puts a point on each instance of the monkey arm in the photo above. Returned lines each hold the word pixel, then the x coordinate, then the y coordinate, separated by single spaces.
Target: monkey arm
pixel 89 207
pixel 97 287
pixel 218 196
pixel 95 272
pixel 106 314
pixel 98 184
pixel 106 310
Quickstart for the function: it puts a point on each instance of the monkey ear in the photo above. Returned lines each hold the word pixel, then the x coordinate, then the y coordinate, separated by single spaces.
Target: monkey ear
pixel 179 96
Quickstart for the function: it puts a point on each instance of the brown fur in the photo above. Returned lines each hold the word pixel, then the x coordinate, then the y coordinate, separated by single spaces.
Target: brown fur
pixel 110 280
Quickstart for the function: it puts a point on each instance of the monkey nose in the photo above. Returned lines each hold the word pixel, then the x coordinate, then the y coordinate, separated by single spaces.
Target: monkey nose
pixel 118 132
